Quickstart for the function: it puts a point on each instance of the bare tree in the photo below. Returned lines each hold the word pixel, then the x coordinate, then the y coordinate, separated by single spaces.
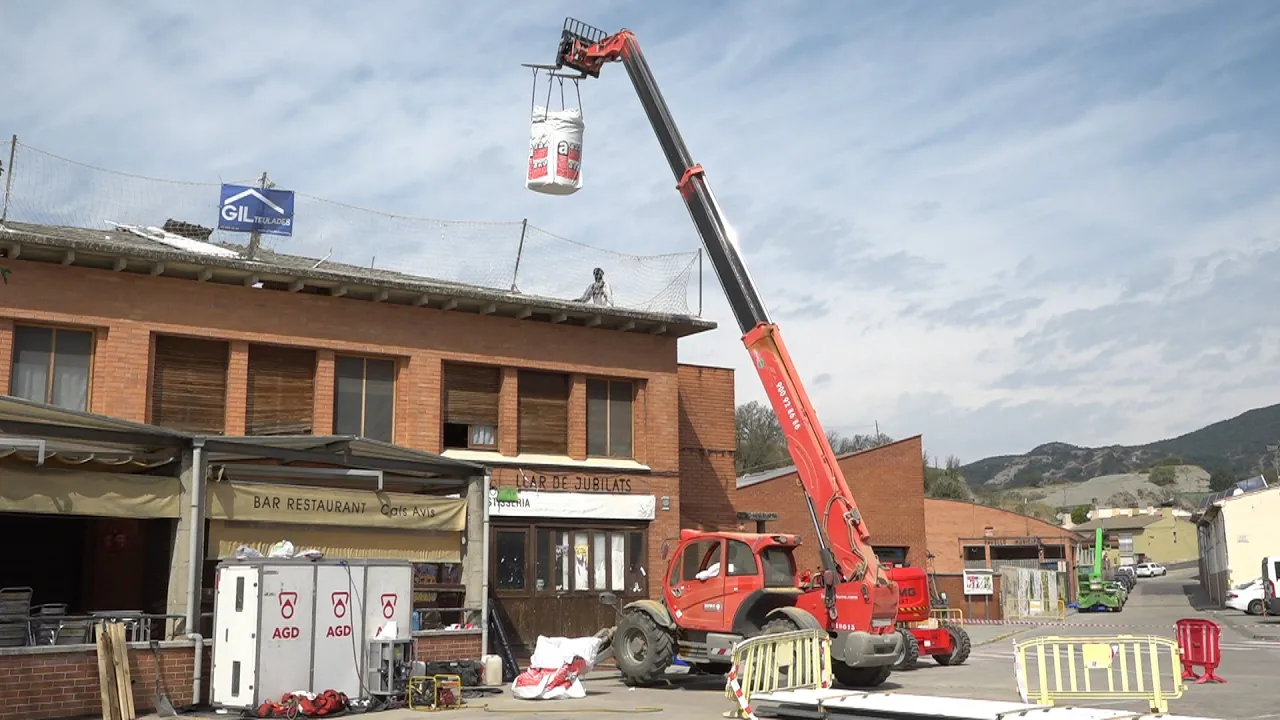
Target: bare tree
pixel 761 445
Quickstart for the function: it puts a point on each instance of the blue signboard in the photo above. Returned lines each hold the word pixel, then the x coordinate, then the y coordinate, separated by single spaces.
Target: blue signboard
pixel 242 208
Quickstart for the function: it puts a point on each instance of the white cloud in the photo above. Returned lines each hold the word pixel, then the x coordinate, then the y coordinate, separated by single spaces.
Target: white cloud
pixel 998 227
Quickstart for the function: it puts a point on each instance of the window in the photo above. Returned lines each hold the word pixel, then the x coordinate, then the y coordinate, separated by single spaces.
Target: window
pixel 281 391
pixel 779 567
pixel 364 397
pixel 51 365
pixel 512 559
pixel 544 413
pixel 896 556
pixel 189 384
pixel 742 562
pixel 471 406
pixel 702 557
pixel 590 560
pixel 1126 543
pixel 609 418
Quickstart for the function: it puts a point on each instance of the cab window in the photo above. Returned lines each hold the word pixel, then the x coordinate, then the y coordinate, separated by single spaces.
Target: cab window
pixel 779 568
pixel 700 558
pixel 742 562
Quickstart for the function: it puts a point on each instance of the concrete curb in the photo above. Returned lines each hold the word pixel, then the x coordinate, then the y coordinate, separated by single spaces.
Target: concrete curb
pixel 1001 636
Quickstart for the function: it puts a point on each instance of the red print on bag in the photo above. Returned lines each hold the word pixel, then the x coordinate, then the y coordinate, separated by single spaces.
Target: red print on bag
pixel 340 600
pixel 288 601
pixel 389 605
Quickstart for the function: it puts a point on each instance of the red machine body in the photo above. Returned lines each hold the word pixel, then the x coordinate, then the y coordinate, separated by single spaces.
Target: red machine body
pixel 851 597
pixel 946 642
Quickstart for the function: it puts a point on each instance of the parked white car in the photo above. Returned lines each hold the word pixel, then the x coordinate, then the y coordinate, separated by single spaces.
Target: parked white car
pixel 1247 597
pixel 1149 569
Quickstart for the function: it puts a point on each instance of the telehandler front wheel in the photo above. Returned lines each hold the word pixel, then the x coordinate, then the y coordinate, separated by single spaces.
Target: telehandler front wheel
pixel 642 649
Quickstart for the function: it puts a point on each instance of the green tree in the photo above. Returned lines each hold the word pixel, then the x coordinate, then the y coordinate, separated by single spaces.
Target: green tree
pixel 1171 461
pixel 1221 479
pixel 1080 514
pixel 761 445
pixel 1163 475
pixel 842 444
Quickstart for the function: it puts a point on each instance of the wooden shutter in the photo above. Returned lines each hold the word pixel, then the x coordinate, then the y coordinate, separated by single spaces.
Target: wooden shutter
pixel 282 389
pixel 189 384
pixel 544 413
pixel 471 394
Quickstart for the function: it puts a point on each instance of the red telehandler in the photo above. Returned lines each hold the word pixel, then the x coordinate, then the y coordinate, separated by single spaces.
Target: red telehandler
pixel 722 587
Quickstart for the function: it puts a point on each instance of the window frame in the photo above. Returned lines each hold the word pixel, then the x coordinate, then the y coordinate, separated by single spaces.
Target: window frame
pixel 53 354
pixel 364 390
pixel 444 413
pixel 729 570
pixel 608 416
pixel 592 529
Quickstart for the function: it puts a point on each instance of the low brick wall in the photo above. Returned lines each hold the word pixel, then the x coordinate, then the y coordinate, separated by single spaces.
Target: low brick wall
pixel 448 645
pixel 62 681
pixel 39 683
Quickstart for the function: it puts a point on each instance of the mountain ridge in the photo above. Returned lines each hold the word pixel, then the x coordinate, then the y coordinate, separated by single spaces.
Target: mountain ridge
pixel 1241 446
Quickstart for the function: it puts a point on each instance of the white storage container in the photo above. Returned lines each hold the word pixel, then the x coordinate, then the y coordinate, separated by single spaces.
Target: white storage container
pixel 286 625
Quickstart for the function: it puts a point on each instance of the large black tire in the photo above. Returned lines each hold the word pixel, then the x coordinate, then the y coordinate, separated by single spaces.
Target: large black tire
pixel 642 649
pixel 860 677
pixel 961 646
pixel 910 650
pixel 1255 608
pixel 780 624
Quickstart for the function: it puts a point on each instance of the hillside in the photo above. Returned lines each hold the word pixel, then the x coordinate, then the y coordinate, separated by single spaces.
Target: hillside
pixel 1240 446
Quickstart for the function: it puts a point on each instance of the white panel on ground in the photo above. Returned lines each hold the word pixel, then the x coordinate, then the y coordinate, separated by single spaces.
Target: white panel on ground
pixel 235 647
pixel 835 703
pixel 390 599
pixel 288 614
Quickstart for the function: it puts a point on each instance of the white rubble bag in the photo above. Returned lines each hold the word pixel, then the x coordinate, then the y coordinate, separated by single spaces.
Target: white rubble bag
pixel 555 151
pixel 556 669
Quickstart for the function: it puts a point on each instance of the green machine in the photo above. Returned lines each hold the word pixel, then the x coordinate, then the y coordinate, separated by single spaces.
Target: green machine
pixel 1097 594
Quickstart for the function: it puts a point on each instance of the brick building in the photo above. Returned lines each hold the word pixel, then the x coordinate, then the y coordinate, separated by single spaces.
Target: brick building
pixel 582 412
pixel 965 535
pixel 887 483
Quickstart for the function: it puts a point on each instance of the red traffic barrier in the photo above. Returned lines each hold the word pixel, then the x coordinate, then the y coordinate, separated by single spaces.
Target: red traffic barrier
pixel 1199 641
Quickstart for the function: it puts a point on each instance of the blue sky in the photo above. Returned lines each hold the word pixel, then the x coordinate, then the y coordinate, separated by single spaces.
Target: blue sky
pixel 996 224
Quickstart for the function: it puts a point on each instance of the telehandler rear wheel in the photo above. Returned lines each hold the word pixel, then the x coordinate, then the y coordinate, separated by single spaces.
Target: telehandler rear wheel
pixel 960 646
pixel 860 677
pixel 642 649
pixel 910 650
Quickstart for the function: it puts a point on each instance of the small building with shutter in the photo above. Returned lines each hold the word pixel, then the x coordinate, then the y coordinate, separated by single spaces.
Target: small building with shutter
pixel 577 411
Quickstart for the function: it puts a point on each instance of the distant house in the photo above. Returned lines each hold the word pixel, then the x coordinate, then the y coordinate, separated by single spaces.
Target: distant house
pixel 1164 535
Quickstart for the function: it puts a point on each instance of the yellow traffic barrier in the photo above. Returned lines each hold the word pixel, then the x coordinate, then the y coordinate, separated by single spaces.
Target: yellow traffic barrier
pixel 1120 667
pixel 951 615
pixel 796 660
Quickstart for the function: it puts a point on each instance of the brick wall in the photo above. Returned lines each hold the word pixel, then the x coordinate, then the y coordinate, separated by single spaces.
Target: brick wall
pixel 708 441
pixel 128 308
pixel 448 645
pixel 62 682
pixel 951 520
pixel 887 484
pixel 975 607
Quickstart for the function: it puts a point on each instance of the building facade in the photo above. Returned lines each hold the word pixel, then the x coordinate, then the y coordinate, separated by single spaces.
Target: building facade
pixel 887 484
pixel 964 535
pixel 1163 535
pixel 575 408
pixel 1236 530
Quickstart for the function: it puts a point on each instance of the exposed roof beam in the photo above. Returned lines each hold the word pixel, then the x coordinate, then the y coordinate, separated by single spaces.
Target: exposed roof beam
pixel 421 299
pixel 251 281
pixel 68 257
pixel 489 309
pixel 524 313
pixel 453 303
pixel 338 291
pixel 594 321
pixel 381 295
pixel 15 251
pixel 628 325
pixel 157 268
pixel 559 317
pixel 658 330
pixel 205 274
pixel 297 285
pixel 120 264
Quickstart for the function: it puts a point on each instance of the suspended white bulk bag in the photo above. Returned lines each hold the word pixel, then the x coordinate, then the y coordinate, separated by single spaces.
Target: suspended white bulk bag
pixel 555 151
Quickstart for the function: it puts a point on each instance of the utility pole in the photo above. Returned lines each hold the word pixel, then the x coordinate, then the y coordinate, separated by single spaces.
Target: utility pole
pixel 8 181
pixel 255 238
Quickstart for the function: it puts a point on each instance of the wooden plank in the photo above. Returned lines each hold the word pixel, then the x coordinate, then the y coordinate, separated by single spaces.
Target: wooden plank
pixel 106 673
pixel 124 682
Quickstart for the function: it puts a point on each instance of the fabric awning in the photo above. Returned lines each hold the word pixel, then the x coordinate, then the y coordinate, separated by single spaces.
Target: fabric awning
pixel 336 542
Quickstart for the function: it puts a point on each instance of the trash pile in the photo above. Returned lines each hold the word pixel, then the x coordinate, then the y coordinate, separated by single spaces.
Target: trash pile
pixel 556 669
